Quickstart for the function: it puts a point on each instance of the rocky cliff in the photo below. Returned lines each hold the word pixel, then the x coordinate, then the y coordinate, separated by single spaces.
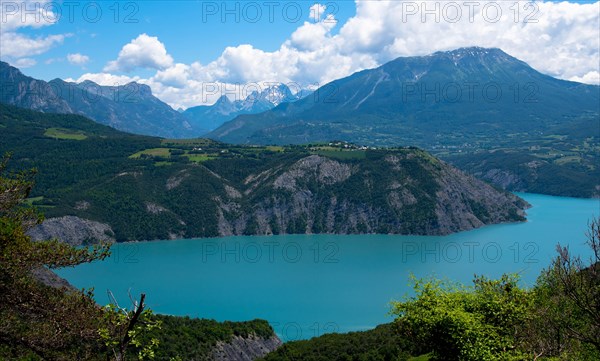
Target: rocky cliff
pixel 72 230
pixel 400 192
pixel 245 348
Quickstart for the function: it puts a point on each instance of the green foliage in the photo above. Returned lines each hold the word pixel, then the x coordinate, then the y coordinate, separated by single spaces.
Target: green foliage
pixel 458 323
pixel 382 343
pixel 149 188
pixel 36 320
pixel 194 339
pixel 118 326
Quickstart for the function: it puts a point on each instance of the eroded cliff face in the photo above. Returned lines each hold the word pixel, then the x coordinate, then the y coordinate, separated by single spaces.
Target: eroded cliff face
pixel 245 349
pixel 72 230
pixel 401 193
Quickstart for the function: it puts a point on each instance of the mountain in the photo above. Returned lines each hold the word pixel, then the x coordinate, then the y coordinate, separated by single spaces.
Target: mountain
pixel 130 107
pixel 210 117
pixel 470 101
pixel 146 188
pixel 423 101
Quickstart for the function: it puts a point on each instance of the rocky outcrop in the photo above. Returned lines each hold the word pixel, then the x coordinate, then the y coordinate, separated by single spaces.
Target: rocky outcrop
pixel 245 349
pixel 400 192
pixel 72 230
pixel 51 279
pixel 324 170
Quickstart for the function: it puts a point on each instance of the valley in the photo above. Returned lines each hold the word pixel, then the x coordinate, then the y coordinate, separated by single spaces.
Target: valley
pixel 283 226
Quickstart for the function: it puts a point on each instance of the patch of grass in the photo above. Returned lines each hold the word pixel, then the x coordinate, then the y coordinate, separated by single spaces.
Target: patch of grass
pixel 59 133
pixel 156 152
pixel 273 148
pixel 162 164
pixel 199 158
pixel 568 159
pixel 30 201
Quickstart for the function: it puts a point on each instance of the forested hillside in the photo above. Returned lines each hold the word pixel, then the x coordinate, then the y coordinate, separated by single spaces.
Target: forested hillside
pixel 150 188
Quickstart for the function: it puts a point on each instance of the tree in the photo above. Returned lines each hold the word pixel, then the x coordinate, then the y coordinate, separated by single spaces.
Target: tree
pixel 455 322
pixel 559 319
pixel 568 302
pixel 40 321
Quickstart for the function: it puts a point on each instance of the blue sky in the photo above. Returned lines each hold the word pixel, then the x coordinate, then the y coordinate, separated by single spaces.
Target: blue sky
pixel 188 34
pixel 177 47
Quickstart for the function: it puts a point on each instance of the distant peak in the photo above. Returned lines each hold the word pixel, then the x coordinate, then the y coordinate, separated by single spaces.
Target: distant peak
pixel 223 99
pixel 471 50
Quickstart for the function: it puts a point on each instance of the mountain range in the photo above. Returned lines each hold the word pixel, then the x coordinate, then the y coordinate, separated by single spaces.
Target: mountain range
pixel 481 109
pixel 445 98
pixel 206 118
pixel 130 107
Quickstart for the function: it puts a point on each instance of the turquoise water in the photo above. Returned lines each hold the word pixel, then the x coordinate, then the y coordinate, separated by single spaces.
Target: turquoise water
pixel 306 285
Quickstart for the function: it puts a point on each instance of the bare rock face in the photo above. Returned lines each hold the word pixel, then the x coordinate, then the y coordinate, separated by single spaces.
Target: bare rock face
pixel 72 230
pixel 406 192
pixel 325 170
pixel 51 279
pixel 245 349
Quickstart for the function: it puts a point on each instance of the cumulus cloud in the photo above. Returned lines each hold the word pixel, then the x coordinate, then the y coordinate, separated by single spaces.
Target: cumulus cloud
pixel 316 11
pixel 105 79
pixel 560 39
pixel 593 77
pixel 142 52
pixel 26 14
pixel 16 45
pixel 24 63
pixel 78 59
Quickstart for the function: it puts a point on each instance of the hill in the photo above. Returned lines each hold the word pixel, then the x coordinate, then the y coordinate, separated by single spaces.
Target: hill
pixel 129 107
pixel 470 101
pixel 150 188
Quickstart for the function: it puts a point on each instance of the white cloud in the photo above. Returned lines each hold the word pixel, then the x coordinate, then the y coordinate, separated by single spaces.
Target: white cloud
pixel 142 52
pixel 24 63
pixel 15 15
pixel 78 59
pixel 316 12
pixel 564 41
pixel 105 79
pixel 16 45
pixel 27 13
pixel 593 77
pixel 176 76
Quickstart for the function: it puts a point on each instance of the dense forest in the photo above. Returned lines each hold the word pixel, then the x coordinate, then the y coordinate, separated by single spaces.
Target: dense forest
pixel 149 188
pixel 41 320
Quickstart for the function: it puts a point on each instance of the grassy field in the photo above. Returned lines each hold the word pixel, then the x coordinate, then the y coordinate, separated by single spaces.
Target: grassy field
pixel 199 158
pixel 155 152
pixel 59 133
pixel 30 201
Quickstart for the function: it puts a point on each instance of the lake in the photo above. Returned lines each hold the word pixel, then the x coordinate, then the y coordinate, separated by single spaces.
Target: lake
pixel 307 285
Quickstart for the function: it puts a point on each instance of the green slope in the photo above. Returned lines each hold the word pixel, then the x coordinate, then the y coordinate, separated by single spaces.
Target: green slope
pixel 150 188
